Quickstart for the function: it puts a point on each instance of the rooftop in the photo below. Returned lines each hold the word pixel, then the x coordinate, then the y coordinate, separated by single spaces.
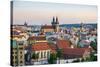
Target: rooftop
pixel 40 46
pixel 75 52
pixel 37 38
pixel 47 27
pixel 62 44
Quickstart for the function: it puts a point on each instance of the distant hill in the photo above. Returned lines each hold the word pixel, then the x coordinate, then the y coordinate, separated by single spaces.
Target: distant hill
pixel 78 25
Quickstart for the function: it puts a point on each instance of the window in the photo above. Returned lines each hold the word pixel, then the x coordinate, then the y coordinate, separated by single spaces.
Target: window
pixel 12 52
pixel 48 54
pixel 20 57
pixel 41 54
pixel 44 54
pixel 21 48
pixel 16 62
pixel 15 57
pixel 20 52
pixel 38 54
pixel 14 48
pixel 15 52
pixel 20 43
pixel 21 61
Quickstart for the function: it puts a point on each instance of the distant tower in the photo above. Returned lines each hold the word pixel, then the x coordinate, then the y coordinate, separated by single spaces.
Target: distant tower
pixel 55 24
pixel 25 24
pixel 81 30
pixel 81 27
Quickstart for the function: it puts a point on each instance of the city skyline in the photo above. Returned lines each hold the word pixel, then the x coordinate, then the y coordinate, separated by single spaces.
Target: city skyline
pixel 48 33
pixel 42 13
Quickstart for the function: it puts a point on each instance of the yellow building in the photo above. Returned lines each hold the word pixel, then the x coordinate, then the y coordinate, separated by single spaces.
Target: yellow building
pixel 35 39
pixel 17 53
pixel 47 28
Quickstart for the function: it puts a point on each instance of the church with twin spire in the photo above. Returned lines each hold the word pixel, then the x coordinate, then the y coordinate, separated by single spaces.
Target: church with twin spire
pixel 54 27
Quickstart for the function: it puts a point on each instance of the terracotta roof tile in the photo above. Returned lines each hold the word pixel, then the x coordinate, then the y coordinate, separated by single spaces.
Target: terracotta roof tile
pixel 37 38
pixel 62 44
pixel 18 36
pixel 47 27
pixel 40 46
pixel 75 52
pixel 53 48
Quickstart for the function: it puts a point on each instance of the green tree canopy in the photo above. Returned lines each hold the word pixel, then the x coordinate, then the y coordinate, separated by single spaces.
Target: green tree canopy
pixel 52 58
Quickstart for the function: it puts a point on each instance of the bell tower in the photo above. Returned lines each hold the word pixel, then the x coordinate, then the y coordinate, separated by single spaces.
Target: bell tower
pixel 55 24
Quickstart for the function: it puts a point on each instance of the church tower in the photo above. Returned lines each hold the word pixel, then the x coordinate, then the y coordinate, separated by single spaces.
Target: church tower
pixel 81 27
pixel 25 24
pixel 53 21
pixel 55 24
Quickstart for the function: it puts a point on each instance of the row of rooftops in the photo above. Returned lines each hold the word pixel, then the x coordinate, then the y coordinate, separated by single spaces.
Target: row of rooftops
pixel 62 44
pixel 47 27
pixel 65 45
pixel 37 38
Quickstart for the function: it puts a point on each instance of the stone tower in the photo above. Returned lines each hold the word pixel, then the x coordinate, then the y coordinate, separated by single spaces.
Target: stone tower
pixel 55 24
pixel 81 27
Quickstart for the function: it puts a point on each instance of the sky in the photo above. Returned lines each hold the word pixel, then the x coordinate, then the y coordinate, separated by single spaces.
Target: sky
pixel 40 13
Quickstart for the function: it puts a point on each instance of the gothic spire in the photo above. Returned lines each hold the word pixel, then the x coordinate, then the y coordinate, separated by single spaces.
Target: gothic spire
pixel 57 20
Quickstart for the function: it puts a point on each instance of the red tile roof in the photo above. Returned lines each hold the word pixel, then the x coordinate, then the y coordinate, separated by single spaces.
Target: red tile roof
pixel 18 36
pixel 40 46
pixel 37 38
pixel 62 44
pixel 72 51
pixel 53 48
pixel 19 29
pixel 47 27
pixel 75 52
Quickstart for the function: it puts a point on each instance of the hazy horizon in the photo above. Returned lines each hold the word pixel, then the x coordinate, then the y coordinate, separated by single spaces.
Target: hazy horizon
pixel 40 13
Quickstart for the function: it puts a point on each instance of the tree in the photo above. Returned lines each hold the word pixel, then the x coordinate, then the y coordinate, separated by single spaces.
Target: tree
pixel 35 56
pixel 93 58
pixel 82 60
pixel 52 58
pixel 93 45
pixel 59 54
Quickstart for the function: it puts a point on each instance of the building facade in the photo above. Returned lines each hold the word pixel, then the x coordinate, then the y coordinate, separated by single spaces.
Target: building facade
pixel 17 53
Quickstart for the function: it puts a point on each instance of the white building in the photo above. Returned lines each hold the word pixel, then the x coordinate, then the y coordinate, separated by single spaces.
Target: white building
pixel 42 51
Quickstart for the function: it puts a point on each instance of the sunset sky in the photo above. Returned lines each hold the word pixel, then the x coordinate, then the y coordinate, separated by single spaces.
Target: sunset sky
pixel 41 13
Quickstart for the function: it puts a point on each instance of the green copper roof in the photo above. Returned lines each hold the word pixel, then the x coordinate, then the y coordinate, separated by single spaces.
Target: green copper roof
pixel 14 43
